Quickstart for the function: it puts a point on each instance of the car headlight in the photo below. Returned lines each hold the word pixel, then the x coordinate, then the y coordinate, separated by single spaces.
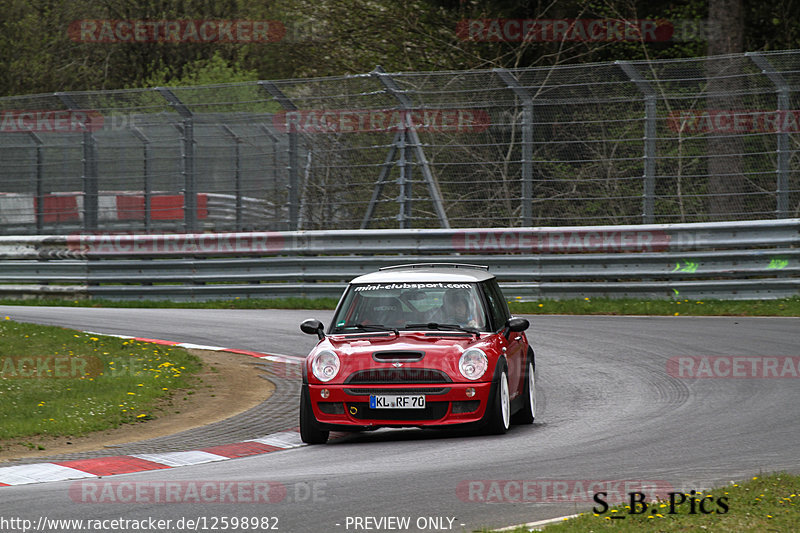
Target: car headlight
pixel 325 365
pixel 473 363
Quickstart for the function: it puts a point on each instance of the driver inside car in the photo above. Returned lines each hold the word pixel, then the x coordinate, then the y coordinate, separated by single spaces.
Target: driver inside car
pixel 457 309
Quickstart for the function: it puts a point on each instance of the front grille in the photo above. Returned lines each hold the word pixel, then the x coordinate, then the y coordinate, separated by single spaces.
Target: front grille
pixel 416 390
pixel 388 376
pixel 432 411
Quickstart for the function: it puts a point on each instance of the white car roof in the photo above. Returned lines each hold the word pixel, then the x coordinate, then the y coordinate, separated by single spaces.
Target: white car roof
pixel 427 272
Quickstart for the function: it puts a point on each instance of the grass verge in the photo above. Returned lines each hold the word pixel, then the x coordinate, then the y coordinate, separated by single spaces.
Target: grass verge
pixel 582 306
pixel 765 503
pixel 60 382
pixel 237 303
pixel 678 307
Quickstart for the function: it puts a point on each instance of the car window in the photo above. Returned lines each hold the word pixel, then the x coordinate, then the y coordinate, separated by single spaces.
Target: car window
pixel 498 309
pixel 399 304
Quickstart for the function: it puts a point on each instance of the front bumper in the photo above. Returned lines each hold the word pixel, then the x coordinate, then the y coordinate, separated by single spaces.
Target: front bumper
pixel 447 404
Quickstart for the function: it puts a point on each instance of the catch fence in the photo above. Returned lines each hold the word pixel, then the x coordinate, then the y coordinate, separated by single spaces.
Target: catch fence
pixel 669 141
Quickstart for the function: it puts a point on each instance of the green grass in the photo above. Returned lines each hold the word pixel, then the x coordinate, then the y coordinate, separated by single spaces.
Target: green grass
pixel 237 303
pixel 581 306
pixel 59 382
pixel 768 503
pixel 677 307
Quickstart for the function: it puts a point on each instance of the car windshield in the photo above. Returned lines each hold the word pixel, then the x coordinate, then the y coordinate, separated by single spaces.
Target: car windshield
pixel 390 306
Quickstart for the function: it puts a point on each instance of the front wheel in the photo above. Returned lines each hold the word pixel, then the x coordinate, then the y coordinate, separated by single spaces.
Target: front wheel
pixel 527 413
pixel 310 433
pixel 500 415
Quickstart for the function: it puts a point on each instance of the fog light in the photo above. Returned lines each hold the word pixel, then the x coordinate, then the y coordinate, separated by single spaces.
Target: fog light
pixel 325 393
pixel 470 392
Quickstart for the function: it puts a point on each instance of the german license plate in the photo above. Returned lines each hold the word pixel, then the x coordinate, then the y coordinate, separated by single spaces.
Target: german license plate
pixel 387 401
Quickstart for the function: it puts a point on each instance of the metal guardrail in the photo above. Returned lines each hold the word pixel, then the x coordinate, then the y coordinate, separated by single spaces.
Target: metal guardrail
pixel 726 260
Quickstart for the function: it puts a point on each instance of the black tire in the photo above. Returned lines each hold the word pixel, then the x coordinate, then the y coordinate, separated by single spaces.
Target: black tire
pixel 499 414
pixel 527 412
pixel 310 432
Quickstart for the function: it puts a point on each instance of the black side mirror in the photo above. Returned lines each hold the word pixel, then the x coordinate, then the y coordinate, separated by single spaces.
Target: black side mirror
pixel 312 326
pixel 516 325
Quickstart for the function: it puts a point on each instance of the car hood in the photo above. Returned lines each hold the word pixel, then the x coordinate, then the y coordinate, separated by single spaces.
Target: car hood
pixel 440 351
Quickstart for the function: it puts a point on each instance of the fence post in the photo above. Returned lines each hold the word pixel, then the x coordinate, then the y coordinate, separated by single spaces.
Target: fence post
pixel 274 140
pixel 89 164
pixel 649 194
pixel 190 179
pixel 522 93
pixel 404 198
pixel 294 157
pixel 237 174
pixel 148 186
pixel 388 163
pixel 39 183
pixel 412 138
pixel 782 185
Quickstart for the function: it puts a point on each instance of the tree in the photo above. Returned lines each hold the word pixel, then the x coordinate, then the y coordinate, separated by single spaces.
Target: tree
pixel 726 182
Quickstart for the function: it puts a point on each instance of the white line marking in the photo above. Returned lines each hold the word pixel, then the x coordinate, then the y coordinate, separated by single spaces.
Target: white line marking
pixel 285 439
pixel 180 458
pixel 39 473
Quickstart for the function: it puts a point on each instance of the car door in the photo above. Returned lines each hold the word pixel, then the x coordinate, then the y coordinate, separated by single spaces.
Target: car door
pixel 515 344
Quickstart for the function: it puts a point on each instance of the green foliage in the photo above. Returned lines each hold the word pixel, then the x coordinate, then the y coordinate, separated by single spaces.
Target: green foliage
pixel 211 71
pixel 332 37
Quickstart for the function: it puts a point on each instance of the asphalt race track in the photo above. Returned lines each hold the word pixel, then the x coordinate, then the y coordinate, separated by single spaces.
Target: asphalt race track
pixel 607 410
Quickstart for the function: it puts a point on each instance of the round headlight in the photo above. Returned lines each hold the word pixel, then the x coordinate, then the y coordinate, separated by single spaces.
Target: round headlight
pixel 325 365
pixel 473 363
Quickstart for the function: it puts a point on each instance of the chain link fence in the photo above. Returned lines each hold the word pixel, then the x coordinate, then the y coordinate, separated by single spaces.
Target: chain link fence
pixel 689 140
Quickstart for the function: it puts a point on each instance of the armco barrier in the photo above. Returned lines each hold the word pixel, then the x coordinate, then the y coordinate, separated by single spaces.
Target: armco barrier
pixel 724 260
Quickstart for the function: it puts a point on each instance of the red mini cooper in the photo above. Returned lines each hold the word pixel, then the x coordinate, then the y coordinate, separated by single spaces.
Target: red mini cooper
pixel 418 345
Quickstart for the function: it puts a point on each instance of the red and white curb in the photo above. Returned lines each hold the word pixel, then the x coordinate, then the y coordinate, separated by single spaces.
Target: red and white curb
pixel 126 464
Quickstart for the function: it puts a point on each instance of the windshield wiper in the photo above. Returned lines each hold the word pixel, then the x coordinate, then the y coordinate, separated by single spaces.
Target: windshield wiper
pixel 372 327
pixel 449 327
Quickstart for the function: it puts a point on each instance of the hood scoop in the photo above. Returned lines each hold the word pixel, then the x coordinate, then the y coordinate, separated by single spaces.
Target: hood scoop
pixel 397 356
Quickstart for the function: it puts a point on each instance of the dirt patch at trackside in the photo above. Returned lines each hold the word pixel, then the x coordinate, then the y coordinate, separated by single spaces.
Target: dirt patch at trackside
pixel 230 385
